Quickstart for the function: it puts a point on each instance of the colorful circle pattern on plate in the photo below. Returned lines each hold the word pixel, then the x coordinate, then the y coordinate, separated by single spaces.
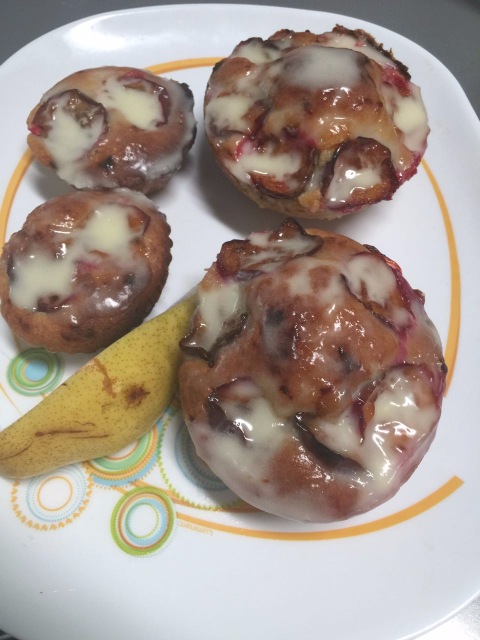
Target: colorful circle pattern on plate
pixel 129 464
pixel 53 500
pixel 143 521
pixel 35 371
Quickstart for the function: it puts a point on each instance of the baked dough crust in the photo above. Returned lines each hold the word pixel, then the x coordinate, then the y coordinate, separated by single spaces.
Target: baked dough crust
pixel 315 126
pixel 312 378
pixel 110 291
pixel 110 127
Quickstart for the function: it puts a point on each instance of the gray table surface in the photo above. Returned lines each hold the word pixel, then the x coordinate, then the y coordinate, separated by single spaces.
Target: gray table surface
pixel 449 29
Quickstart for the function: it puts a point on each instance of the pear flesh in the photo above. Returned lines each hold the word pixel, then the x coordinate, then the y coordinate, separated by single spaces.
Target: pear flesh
pixel 113 400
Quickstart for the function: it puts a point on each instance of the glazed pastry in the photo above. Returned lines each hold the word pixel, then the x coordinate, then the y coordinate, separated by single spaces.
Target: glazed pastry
pixel 111 127
pixel 84 269
pixel 315 125
pixel 312 378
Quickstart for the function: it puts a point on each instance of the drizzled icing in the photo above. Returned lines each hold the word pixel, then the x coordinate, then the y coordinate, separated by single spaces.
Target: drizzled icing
pixel 68 140
pixel 273 103
pixel 346 182
pixel 113 127
pixel 82 270
pixel 324 400
pixel 106 234
pixel 375 276
pixel 143 110
pixel 316 67
pixel 219 305
pixel 85 268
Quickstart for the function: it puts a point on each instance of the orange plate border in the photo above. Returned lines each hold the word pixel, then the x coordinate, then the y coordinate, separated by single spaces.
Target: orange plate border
pixel 451 349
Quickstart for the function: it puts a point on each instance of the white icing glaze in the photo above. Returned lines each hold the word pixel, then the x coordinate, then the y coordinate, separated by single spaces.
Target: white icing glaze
pixel 171 160
pixel 260 424
pixel 70 144
pixel 227 111
pixel 387 421
pixel 247 467
pixel 347 41
pixel 280 165
pixel 346 181
pixel 369 272
pixel 335 66
pixel 408 111
pixel 38 274
pixel 140 108
pixel 398 423
pixel 397 420
pixel 67 141
pixel 217 305
pixel 341 436
pixel 397 417
pixel 316 67
pixel 246 462
pixel 279 248
pixel 257 52
pixel 410 118
pixel 220 303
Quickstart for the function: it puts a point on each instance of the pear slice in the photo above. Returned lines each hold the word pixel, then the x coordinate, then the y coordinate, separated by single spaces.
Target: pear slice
pixel 113 400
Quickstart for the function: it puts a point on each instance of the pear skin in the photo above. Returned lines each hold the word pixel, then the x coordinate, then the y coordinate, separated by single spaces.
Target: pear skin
pixel 113 400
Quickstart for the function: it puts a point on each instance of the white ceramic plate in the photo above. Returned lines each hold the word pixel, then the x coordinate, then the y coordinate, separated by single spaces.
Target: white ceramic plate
pixel 148 544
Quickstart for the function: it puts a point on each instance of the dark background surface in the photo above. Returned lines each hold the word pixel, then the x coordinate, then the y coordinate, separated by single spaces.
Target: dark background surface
pixel 448 29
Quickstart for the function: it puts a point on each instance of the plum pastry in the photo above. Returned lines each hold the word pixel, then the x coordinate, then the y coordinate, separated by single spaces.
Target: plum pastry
pixel 84 269
pixel 110 127
pixel 315 126
pixel 312 378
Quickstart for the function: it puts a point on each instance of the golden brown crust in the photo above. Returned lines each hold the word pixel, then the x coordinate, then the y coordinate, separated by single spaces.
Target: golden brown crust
pixel 300 142
pixel 124 154
pixel 325 344
pixel 77 324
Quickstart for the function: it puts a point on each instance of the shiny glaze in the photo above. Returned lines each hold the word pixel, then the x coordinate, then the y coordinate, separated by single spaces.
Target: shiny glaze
pixel 326 396
pixel 111 127
pixel 286 106
pixel 82 270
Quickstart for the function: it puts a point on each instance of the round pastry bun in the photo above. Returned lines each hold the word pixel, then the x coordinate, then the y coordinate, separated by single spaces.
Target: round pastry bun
pixel 110 127
pixel 85 269
pixel 312 377
pixel 315 126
